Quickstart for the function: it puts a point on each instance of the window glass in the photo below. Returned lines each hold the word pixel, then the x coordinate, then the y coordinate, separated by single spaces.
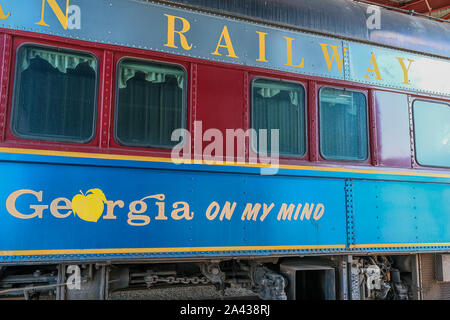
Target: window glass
pixel 54 95
pixel 432 133
pixel 280 105
pixel 343 124
pixel 150 103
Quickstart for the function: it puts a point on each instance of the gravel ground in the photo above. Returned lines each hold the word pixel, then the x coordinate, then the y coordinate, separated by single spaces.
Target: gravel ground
pixel 183 293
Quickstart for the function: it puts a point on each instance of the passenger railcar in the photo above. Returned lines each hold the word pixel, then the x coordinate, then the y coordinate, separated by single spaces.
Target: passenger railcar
pixel 131 148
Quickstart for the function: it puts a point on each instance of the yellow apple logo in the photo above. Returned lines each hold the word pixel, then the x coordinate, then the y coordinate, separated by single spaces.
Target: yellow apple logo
pixel 89 207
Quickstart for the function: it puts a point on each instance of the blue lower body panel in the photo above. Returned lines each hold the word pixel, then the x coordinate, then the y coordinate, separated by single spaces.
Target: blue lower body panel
pixel 67 212
pixel 400 215
pixel 64 212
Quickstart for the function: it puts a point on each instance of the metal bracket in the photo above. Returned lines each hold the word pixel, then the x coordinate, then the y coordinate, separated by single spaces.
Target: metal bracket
pixel 270 285
pixel 351 238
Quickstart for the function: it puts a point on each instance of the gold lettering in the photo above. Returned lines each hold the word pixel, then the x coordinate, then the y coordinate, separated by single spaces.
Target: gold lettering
pixel 57 11
pixel 251 212
pixel 160 205
pixel 11 204
pixel 110 205
pixel 262 46
pixel 55 207
pixel 266 211
pixel 2 14
pixel 335 56
pixel 375 69
pixel 318 213
pixel 405 69
pixel 297 211
pixel 228 210
pixel 289 54
pixel 171 32
pixel 307 211
pixel 135 214
pixel 184 208
pixel 160 215
pixel 228 45
pixel 216 207
pixel 286 212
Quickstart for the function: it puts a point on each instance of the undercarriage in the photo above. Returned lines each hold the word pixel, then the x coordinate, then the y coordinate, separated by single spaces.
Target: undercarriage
pixel 339 277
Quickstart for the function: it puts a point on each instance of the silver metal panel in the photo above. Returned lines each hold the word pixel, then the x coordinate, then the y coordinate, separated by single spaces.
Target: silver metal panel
pixel 324 278
pixel 424 73
pixel 343 18
pixel 443 267
pixel 145 25
pixel 431 289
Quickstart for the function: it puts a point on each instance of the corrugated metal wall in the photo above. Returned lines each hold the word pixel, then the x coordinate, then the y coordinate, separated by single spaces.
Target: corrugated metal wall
pixel 432 289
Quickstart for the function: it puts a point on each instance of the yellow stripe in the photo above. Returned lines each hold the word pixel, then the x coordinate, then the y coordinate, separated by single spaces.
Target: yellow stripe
pixel 221 163
pixel 164 250
pixel 211 249
pixel 399 245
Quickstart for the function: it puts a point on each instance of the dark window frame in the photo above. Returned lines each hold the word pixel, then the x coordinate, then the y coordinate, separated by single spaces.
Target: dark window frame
pixel 184 115
pixel 305 111
pixel 416 158
pixel 17 77
pixel 319 123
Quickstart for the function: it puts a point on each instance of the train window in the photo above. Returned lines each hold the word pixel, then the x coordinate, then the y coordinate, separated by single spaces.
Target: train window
pixel 280 105
pixel 343 124
pixel 432 133
pixel 55 95
pixel 151 103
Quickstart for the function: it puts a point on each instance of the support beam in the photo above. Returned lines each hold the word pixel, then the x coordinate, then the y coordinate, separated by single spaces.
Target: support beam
pixel 446 17
pixel 409 6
